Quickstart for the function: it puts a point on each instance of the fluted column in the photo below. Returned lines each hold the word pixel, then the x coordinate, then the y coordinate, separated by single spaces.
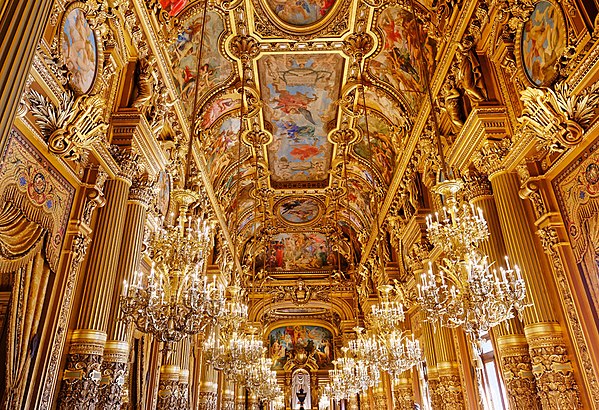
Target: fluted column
pixel 208 395
pixel 81 380
pixel 380 398
pixel 228 396
pixel 512 349
pixel 365 400
pixel 403 394
pixel 352 403
pixel 170 374
pixel 253 402
pixel 116 351
pixel 551 366
pixel 22 24
pixel 450 385
pixel 184 359
pixel 428 348
pixel 239 397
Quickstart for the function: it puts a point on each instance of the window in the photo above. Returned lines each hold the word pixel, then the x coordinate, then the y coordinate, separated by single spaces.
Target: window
pixel 494 397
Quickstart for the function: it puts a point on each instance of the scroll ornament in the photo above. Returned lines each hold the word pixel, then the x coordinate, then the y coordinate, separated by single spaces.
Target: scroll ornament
pixel 71 127
pixel 558 117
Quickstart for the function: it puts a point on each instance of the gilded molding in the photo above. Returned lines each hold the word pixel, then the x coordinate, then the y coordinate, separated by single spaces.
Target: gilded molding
pixel 551 367
pixel 516 366
pixel 551 243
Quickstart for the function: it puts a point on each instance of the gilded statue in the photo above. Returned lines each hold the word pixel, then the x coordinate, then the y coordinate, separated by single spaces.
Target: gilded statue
pixel 144 84
pixel 452 102
pixel 470 72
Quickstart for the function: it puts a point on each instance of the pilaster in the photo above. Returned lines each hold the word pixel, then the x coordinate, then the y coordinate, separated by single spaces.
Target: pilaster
pixel 508 337
pixel 540 315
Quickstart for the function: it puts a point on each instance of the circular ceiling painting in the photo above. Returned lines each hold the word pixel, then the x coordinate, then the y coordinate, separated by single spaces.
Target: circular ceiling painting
pixel 302 12
pixel 543 42
pixel 299 210
pixel 79 50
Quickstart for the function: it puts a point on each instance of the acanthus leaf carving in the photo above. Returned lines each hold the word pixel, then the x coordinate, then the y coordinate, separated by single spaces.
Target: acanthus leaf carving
pixel 558 116
pixel 71 127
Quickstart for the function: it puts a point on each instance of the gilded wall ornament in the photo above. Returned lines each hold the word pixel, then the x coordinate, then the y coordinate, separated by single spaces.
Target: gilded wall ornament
pixel 73 126
pixel 557 116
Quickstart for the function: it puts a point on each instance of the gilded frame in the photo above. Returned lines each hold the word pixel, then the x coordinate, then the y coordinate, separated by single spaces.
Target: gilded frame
pixel 286 199
pixel 519 52
pixel 99 54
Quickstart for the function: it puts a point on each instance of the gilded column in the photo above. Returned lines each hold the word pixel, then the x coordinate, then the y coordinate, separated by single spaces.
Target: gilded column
pixel 239 397
pixel 550 364
pixel 352 403
pixel 450 385
pixel 22 24
pixel 116 351
pixel 184 358
pixel 512 348
pixel 170 374
pixel 208 395
pixel 428 348
pixel 403 395
pixel 253 402
pixel 380 398
pixel 82 375
pixel 228 396
pixel 365 400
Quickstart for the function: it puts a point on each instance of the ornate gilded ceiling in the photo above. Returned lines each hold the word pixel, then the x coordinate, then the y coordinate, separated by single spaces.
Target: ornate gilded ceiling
pixel 306 167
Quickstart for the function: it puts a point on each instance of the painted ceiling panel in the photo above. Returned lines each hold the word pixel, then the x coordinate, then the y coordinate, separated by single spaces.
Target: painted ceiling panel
pixel 299 92
pixel 215 67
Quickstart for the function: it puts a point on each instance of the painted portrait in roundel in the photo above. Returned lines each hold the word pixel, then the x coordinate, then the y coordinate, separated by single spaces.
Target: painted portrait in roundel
pixel 543 42
pixel 79 50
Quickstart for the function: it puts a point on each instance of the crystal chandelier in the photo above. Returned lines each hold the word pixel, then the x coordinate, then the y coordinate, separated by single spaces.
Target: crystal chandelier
pixel 466 292
pixel 387 314
pixel 400 353
pixel 175 299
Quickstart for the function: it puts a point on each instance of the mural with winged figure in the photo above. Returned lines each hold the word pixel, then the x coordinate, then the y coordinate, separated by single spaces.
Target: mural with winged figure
pixel 297 210
pixel 299 92
pixel 214 69
pixel 301 12
pixel 399 61
pixel 315 341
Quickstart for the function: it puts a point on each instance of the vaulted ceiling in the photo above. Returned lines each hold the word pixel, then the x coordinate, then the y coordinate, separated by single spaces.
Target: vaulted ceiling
pixel 304 169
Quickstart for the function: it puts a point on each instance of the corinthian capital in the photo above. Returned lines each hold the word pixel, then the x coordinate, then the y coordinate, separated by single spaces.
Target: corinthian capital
pixel 489 160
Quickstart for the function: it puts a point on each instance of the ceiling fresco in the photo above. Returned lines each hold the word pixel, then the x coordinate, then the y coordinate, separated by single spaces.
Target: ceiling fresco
pixel 298 184
pixel 300 13
pixel 298 93
pixel 215 66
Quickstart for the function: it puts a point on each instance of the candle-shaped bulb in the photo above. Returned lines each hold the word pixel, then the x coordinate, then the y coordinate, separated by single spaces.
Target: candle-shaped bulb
pixel 125 288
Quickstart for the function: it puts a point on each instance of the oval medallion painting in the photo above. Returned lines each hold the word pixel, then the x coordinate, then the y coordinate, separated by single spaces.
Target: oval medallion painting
pixel 301 12
pixel 543 42
pixel 79 50
pixel 299 211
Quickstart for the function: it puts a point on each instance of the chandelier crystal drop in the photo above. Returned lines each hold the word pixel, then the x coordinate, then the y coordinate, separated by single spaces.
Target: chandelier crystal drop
pixel 175 299
pixel 466 292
